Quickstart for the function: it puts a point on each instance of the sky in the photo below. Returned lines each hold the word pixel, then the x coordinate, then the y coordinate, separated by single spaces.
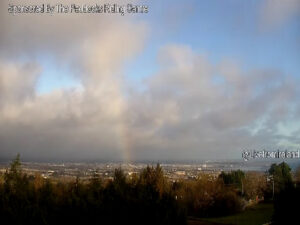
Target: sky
pixel 189 80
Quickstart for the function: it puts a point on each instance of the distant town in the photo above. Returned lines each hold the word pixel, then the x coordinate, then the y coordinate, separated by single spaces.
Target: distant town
pixel 173 171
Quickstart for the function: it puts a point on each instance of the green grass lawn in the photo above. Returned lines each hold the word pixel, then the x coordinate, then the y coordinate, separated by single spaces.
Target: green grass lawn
pixel 256 215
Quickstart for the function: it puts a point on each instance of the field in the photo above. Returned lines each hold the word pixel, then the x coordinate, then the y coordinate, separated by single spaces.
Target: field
pixel 256 215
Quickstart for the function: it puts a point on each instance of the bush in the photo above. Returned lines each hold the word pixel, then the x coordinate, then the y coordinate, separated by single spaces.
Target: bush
pixel 119 202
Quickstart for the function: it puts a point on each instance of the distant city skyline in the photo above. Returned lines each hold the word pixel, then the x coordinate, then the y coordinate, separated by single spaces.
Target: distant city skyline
pixel 192 80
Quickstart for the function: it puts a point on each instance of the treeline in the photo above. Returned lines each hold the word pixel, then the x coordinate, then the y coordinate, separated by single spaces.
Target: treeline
pixel 143 200
pixel 286 194
pixel 147 198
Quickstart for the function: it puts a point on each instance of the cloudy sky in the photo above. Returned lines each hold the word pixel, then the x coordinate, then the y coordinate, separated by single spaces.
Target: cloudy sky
pixel 188 80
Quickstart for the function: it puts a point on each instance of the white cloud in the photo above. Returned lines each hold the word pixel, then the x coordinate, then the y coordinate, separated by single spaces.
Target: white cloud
pixel 17 82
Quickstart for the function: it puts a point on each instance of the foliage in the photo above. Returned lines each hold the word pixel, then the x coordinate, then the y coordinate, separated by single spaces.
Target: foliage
pixel 147 198
pixel 254 185
pixel 207 197
pixel 297 175
pixel 40 201
pixel 281 174
pixel 287 195
pixel 286 206
pixel 233 178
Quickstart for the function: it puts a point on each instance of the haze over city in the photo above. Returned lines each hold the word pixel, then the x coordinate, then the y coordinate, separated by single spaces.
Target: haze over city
pixel 191 80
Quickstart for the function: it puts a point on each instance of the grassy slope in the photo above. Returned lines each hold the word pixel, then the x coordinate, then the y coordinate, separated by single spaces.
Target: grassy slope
pixel 256 215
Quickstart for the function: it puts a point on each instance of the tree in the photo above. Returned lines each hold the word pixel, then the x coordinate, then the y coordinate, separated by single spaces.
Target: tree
pixel 234 178
pixel 41 201
pixel 254 185
pixel 297 176
pixel 119 179
pixel 154 177
pixel 15 166
pixel 13 176
pixel 281 175
pixel 95 182
pixel 287 198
